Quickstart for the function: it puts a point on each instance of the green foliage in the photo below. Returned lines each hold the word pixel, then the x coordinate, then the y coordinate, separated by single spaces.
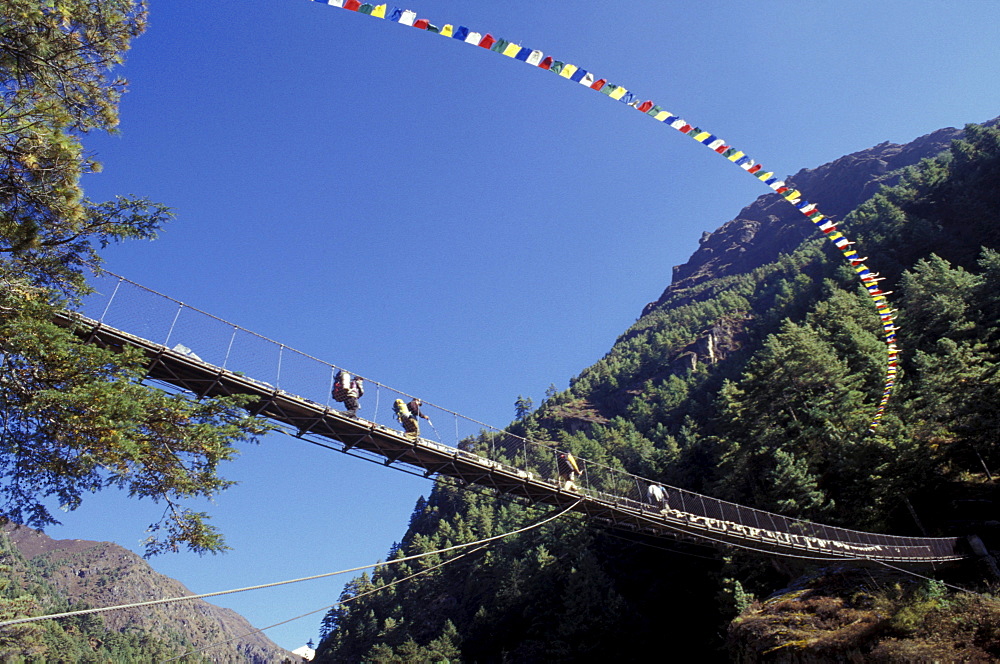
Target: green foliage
pixel 540 596
pixel 18 640
pixel 76 419
pixel 25 591
pixel 733 598
pixel 757 388
pixel 56 63
pixel 845 614
pixel 523 407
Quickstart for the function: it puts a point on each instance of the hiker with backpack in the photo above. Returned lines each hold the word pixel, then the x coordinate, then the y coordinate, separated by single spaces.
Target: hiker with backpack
pixel 408 415
pixel 348 390
pixel 657 495
pixel 569 470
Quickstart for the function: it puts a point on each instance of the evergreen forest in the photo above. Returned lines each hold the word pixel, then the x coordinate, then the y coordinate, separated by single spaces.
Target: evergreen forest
pixel 25 590
pixel 76 419
pixel 757 388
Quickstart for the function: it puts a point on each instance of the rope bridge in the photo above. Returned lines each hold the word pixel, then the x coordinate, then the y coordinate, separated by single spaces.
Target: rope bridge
pixel 194 351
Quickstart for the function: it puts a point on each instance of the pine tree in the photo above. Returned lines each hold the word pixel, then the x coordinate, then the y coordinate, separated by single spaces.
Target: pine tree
pixel 23 640
pixel 522 407
pixel 56 64
pixel 73 418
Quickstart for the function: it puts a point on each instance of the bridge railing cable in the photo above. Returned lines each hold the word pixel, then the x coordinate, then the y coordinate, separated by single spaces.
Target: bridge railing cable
pixel 273 366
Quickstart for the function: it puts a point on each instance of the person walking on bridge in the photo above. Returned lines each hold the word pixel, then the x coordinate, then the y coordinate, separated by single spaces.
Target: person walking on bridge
pixel 415 407
pixel 657 495
pixel 348 390
pixel 569 470
pixel 409 414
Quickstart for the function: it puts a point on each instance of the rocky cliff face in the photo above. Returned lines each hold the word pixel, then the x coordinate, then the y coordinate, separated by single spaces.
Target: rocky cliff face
pixel 850 614
pixel 105 574
pixel 769 227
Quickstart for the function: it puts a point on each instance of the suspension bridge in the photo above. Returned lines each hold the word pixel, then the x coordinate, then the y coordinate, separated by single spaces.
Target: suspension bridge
pixel 194 351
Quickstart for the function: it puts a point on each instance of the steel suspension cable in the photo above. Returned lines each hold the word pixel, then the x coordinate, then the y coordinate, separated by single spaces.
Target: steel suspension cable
pixel 355 597
pixel 168 600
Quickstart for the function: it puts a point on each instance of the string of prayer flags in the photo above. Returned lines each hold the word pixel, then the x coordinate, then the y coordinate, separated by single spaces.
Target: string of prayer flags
pixel 579 75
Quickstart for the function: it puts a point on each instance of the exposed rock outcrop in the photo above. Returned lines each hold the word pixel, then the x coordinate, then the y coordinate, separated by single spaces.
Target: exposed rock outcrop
pixel 852 614
pixel 769 227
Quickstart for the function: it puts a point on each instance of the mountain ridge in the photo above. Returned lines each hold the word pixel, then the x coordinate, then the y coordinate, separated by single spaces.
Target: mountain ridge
pixel 753 380
pixel 769 227
pixel 99 574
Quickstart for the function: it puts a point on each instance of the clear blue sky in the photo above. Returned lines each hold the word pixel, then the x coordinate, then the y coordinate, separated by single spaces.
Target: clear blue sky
pixel 461 225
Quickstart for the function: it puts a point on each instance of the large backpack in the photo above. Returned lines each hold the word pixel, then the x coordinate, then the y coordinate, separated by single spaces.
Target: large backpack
pixel 567 464
pixel 401 409
pixel 341 385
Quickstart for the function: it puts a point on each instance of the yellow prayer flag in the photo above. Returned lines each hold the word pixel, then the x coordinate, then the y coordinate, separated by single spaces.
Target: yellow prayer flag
pixel 618 93
pixel 512 50
pixel 568 70
pixel 378 11
pixel 448 30
pixel 701 136
pixel 736 156
pixel 662 115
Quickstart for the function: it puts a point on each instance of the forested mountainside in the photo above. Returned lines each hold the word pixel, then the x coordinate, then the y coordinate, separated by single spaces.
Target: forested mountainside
pixel 39 574
pixel 754 382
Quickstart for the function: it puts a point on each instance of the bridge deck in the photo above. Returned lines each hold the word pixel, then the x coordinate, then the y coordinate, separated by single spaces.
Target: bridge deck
pixel 698 517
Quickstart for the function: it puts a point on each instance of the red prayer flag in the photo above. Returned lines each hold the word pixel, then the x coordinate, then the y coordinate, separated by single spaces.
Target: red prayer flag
pixel 598 84
pixel 487 41
pixel 546 63
pixel 645 106
pixel 421 23
pixel 352 5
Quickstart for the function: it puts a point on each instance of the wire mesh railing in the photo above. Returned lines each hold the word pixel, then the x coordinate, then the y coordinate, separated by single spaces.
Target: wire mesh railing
pixel 139 311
